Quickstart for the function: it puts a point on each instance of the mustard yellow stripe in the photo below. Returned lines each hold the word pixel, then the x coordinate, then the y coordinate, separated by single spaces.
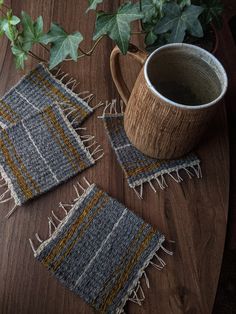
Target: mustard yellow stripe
pixel 54 91
pixel 66 141
pixel 34 184
pixel 4 111
pixel 141 169
pixel 60 245
pixel 121 263
pixel 124 277
pixel 64 150
pixel 9 108
pixel 20 179
pixel 82 231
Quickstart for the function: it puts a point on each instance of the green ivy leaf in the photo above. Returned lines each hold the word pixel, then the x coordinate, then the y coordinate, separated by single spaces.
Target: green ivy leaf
pixel 152 9
pixel 93 4
pixel 150 38
pixel 32 31
pixel 8 25
pixel 213 10
pixel 20 56
pixel 1 2
pixel 149 10
pixel 160 41
pixel 177 22
pixel 62 44
pixel 184 3
pixel 117 26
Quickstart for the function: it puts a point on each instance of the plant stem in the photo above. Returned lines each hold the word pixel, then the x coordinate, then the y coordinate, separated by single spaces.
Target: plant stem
pixel 140 5
pixel 2 12
pixel 141 9
pixel 88 53
pixel 45 47
pixel 5 6
pixel 36 57
pixel 138 33
pixel 94 46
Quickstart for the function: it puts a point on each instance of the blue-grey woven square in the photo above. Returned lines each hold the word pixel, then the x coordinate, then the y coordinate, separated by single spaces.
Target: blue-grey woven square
pixel 100 250
pixel 139 168
pixel 41 88
pixel 39 152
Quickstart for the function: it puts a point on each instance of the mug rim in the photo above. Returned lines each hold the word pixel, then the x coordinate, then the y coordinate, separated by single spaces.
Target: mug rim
pixel 196 48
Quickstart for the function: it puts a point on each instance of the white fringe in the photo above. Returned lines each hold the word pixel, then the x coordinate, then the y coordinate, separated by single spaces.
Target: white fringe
pixel 70 83
pixel 38 238
pixel 53 227
pixel 173 173
pixel 135 293
pixel 9 194
pixel 113 109
pixel 84 140
pixel 93 151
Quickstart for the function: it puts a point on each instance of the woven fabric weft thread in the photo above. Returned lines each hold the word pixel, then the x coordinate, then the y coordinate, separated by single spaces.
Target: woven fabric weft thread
pixel 40 152
pixel 100 250
pixel 139 168
pixel 41 88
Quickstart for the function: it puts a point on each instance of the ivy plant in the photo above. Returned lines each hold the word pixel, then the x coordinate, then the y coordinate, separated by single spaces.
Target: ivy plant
pixel 160 22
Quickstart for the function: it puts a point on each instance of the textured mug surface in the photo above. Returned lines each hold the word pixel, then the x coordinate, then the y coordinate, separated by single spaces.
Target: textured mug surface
pixel 173 100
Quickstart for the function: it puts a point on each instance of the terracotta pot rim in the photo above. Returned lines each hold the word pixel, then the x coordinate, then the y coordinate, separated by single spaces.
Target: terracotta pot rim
pixel 203 52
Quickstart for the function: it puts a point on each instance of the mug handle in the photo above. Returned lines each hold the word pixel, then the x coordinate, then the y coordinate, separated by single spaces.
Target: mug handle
pixel 116 73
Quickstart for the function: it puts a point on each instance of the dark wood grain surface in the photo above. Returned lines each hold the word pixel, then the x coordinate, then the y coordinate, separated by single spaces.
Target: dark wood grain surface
pixel 193 213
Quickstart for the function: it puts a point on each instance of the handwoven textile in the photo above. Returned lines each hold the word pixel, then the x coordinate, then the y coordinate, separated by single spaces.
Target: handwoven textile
pixel 100 250
pixel 38 89
pixel 39 152
pixel 139 168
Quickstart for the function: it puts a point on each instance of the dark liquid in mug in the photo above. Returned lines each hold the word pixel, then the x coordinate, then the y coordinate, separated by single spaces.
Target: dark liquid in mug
pixel 184 79
pixel 178 92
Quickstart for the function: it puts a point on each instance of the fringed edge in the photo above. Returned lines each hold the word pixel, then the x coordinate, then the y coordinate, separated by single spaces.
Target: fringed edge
pixel 69 83
pixel 93 151
pixel 9 194
pixel 65 81
pixel 91 148
pixel 192 170
pixel 55 223
pixel 113 109
pixel 135 292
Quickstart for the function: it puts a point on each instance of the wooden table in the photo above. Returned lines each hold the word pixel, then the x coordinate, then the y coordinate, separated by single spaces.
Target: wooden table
pixel 193 213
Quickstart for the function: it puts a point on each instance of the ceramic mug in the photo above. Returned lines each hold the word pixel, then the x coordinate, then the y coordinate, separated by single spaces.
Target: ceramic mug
pixel 174 98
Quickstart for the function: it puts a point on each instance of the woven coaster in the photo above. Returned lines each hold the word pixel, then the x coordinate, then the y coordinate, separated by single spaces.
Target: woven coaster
pixel 40 152
pixel 40 88
pixel 139 168
pixel 100 250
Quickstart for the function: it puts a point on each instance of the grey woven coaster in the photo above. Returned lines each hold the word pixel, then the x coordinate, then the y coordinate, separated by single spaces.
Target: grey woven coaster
pixel 40 152
pixel 100 250
pixel 139 168
pixel 41 88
